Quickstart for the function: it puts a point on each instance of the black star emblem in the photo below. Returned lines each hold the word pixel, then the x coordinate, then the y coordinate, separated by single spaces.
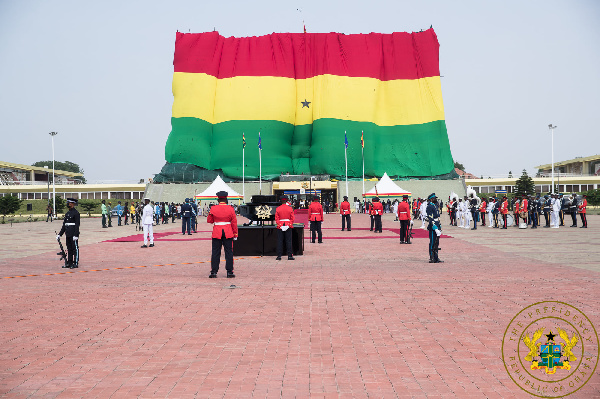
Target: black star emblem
pixel 305 103
pixel 550 336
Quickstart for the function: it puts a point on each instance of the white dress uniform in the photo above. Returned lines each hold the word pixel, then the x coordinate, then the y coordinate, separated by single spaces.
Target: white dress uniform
pixel 467 213
pixel 147 221
pixel 555 213
pixel 423 214
pixel 489 209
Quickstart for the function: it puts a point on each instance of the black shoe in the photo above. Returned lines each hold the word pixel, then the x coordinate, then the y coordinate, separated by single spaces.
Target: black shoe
pixel 408 242
pixel 278 258
pixel 144 246
pixel 574 225
pixel 371 230
pixel 105 227
pixel 189 234
pixel 401 242
pixel 312 242
pixel 504 227
pixel 75 266
pixel 230 275
pixel 320 242
pixel 349 229
pixel 291 258
pixel 151 245
pixel 66 266
pixel 474 228
pixel 342 229
pixel 212 275
pixel 431 261
pixel 439 261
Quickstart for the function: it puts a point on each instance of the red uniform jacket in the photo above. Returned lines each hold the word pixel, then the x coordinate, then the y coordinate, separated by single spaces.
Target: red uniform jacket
pixel 483 207
pixel 516 207
pixel 377 208
pixel 345 208
pixel 403 211
pixel 284 215
pixel 315 212
pixel 504 207
pixel 224 219
pixel 582 206
pixel 524 206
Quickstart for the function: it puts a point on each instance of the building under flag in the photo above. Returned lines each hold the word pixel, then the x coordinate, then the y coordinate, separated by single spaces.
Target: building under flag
pixel 302 91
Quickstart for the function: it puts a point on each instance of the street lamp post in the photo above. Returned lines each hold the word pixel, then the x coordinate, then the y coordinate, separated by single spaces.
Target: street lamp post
pixel 552 131
pixel 53 183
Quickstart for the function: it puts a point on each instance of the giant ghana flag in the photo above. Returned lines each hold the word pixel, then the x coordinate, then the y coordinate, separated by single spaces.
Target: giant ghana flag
pixel 303 92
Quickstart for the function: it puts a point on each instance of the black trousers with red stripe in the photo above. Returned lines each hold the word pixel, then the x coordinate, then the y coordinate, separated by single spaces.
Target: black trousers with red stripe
pixel 227 244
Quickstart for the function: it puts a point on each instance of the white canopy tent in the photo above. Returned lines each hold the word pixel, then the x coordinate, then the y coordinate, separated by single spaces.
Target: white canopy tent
pixel 217 185
pixel 386 188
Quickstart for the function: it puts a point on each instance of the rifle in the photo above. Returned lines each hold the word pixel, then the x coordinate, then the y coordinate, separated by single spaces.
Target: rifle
pixel 62 252
pixel 410 233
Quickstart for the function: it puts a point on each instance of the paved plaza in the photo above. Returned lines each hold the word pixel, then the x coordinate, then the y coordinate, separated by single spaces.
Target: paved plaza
pixel 359 316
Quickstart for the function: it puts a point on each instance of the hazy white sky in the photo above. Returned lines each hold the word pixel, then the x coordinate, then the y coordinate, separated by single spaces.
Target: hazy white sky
pixel 100 74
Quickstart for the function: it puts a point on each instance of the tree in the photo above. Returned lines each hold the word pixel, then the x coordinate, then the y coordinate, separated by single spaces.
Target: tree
pixel 459 166
pixel 9 205
pixel 88 206
pixel 525 185
pixel 66 166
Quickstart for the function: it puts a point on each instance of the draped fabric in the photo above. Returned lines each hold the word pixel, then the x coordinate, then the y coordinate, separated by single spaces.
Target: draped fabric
pixel 304 93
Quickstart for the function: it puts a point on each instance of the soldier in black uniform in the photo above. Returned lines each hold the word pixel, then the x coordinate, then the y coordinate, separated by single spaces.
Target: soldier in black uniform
pixel 70 228
pixel 573 209
pixel 186 216
pixel 434 228
pixel 547 206
pixel 474 209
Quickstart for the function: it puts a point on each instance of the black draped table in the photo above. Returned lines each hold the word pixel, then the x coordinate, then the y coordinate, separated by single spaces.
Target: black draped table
pixel 262 241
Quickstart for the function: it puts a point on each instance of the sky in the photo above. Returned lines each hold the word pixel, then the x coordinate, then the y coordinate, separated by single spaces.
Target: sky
pixel 100 74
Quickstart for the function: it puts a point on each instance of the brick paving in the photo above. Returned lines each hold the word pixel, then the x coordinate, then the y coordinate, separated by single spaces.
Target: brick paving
pixel 352 318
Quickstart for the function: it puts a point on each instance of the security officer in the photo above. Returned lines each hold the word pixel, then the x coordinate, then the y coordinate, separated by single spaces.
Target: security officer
pixel 315 215
pixel 186 216
pixel 284 219
pixel 573 209
pixel 564 208
pixel 474 211
pixel 405 220
pixel 377 212
pixel 70 228
pixel 225 230
pixel 194 219
pixel 547 208
pixel 534 214
pixel 345 212
pixel 434 227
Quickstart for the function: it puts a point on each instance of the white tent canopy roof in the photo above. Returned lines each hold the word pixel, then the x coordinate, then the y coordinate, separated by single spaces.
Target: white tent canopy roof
pixel 218 185
pixel 386 188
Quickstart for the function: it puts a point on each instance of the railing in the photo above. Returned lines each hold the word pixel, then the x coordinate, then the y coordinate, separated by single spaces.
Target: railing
pixel 37 183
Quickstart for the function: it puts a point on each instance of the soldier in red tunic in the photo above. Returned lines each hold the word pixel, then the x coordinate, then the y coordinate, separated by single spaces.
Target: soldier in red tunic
pixel 583 211
pixel 284 218
pixel 315 215
pixel 225 230
pixel 504 212
pixel 404 217
pixel 377 212
pixel 345 212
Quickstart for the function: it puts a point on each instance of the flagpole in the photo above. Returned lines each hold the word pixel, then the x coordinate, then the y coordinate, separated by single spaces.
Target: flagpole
pixel 362 144
pixel 260 171
pixel 244 171
pixel 346 157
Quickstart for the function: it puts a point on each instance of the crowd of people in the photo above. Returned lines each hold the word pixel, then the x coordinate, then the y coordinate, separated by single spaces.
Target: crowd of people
pixel 549 211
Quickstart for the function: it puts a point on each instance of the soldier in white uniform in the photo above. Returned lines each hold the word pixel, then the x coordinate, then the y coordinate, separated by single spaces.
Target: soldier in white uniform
pixel 490 209
pixel 423 214
pixel 556 205
pixel 147 221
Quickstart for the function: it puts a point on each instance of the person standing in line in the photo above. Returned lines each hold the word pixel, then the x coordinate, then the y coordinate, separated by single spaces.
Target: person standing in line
pixel 345 212
pixel 70 228
pixel 225 230
pixel 104 210
pixel 194 219
pixel 583 212
pixel 109 213
pixel 504 212
pixel 482 210
pixel 516 210
pixel 119 210
pixel 395 209
pixel 403 214
pixel 564 206
pixel 556 211
pixel 147 222
pixel 315 215
pixel 126 213
pixel 377 213
pixel 284 219
pixel 573 208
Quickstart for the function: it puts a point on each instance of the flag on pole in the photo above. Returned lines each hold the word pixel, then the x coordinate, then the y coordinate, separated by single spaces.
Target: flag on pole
pixel 243 141
pixel 345 140
pixel 259 144
pixel 362 139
